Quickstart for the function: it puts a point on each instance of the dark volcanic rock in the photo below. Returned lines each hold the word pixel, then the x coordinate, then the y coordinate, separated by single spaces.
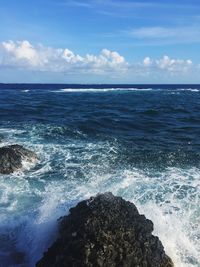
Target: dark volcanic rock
pixel 105 231
pixel 11 158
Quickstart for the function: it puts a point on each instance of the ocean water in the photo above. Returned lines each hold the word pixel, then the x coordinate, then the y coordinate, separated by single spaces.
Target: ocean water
pixel 139 142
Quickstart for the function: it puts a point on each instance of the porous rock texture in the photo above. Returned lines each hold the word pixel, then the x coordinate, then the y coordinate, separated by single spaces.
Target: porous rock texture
pixel 12 157
pixel 105 231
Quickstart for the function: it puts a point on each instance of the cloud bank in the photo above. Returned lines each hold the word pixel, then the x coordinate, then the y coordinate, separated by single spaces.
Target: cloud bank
pixel 168 64
pixel 24 55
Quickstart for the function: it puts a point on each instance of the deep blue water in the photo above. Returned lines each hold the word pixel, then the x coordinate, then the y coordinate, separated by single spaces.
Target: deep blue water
pixel 141 142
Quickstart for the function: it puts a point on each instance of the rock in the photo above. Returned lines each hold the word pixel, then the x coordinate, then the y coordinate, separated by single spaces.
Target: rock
pixel 105 231
pixel 11 158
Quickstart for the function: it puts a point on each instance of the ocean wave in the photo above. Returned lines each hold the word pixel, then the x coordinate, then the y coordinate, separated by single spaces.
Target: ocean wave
pixel 100 90
pixel 117 89
pixel 123 89
pixel 25 91
pixel 69 173
pixel 73 167
pixel 189 89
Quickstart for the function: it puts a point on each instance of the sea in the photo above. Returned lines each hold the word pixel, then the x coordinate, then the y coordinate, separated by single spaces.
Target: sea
pixel 140 142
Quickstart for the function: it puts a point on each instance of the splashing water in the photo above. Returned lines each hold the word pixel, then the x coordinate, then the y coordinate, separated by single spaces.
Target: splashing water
pixel 87 153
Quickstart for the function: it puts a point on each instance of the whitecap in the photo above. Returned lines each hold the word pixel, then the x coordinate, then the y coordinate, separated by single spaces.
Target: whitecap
pixel 100 90
pixel 25 91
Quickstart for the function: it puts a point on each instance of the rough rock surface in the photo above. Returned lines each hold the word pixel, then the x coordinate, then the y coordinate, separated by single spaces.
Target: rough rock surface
pixel 11 158
pixel 105 231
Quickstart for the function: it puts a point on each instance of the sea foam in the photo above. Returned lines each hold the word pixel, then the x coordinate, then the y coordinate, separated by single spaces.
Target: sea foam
pixel 74 165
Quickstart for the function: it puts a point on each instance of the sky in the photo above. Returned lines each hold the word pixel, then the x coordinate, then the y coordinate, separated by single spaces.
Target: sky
pixel 100 41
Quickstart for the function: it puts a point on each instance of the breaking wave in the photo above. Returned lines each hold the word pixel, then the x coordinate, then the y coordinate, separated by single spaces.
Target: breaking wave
pixel 145 149
pixel 33 200
pixel 102 90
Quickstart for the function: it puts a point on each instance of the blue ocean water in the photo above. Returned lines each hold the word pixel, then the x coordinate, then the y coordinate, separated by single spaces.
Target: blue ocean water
pixel 141 142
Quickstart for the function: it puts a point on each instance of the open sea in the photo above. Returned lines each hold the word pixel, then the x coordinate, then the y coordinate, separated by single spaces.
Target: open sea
pixel 141 142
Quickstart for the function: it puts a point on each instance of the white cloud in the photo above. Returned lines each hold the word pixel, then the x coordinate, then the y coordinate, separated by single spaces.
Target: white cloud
pixel 74 3
pixel 21 54
pixel 107 60
pixel 168 64
pixel 165 35
pixel 24 55
pixel 173 65
pixel 125 4
pixel 153 32
pixel 147 61
pixel 22 51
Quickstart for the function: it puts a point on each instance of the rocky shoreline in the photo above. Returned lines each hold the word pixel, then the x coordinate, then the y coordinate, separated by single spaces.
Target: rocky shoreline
pixel 105 231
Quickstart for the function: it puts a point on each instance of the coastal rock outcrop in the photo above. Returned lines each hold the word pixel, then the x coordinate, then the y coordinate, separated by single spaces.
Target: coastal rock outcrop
pixel 105 231
pixel 12 157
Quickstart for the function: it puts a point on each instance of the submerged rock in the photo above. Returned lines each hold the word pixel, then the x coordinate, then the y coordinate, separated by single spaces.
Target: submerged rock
pixel 105 231
pixel 12 157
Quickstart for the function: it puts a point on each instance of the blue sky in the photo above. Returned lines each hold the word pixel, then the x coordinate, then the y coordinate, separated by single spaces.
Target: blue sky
pixel 96 41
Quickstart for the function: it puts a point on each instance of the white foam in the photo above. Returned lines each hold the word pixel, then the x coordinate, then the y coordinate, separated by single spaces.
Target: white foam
pixel 101 90
pixel 189 89
pixel 155 198
pixel 25 91
pixel 32 201
pixel 171 201
pixel 10 130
